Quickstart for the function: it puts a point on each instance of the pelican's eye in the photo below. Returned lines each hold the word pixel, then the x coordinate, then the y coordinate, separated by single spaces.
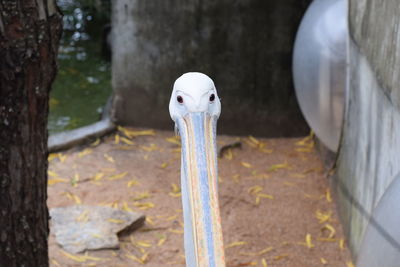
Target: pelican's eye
pixel 212 97
pixel 179 99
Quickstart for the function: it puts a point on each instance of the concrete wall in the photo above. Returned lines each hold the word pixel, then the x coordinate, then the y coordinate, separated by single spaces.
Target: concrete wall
pixel 369 156
pixel 244 46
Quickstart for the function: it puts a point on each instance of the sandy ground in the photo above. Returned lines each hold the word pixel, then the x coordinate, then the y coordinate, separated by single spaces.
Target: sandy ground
pixel 275 203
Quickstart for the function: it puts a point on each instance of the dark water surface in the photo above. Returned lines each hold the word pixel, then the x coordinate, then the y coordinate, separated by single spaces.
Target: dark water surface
pixel 83 83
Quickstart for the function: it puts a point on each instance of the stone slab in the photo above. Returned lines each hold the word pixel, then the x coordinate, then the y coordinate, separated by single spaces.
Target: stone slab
pixel 79 228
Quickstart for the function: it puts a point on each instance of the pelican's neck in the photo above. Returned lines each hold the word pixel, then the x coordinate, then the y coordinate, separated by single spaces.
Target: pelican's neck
pixel 202 222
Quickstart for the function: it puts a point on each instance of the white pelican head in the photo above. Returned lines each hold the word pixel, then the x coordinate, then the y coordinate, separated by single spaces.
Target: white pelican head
pixel 194 92
pixel 195 108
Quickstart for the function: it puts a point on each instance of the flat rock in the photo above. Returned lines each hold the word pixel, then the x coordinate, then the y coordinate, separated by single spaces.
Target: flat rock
pixel 79 228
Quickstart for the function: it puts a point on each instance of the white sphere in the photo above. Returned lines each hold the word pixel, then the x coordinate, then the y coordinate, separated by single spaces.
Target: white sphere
pixel 381 243
pixel 319 68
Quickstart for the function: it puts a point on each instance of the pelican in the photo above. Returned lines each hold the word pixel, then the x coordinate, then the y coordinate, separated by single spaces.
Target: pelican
pixel 195 109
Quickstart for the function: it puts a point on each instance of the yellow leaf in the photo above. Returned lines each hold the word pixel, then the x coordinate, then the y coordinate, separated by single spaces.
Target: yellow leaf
pixel 133 133
pixel 143 206
pixel 116 220
pixel 323 261
pixel 162 240
pixel 328 195
pixel 117 176
pixel 144 257
pixel 349 264
pixel 114 204
pixel 87 257
pixel 311 170
pixel 175 188
pixel 308 241
pixel 109 158
pixel 73 197
pixel 98 176
pixel 52 173
pixel 246 164
pixel 228 154
pixel 264 262
pixel 85 152
pixel 75 180
pixel 305 140
pixel 279 257
pixel 132 182
pixel 279 166
pixel 175 231
pixel 267 151
pixel 323 216
pixel 127 141
pixel 141 196
pixel 341 244
pixel 125 207
pixel 97 236
pixel 254 189
pixel 133 257
pixel 57 180
pixel 331 230
pixel 247 141
pixel 304 150
pixel 262 176
pixel 265 196
pixel 261 252
pixel 61 157
pixel 54 262
pixel 235 244
pixel 77 199
pixel 175 194
pixel 151 147
pixel 236 177
pixel 116 139
pixel 143 244
pixel 83 217
pixel 149 220
pixel 164 165
pixel 171 218
pixel 52 156
pixel 74 257
pixel 95 143
pixel 253 140
pixel 176 150
pixel 174 140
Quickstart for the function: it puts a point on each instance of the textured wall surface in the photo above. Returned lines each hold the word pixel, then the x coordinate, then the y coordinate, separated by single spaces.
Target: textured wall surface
pixel 375 26
pixel 244 46
pixel 369 156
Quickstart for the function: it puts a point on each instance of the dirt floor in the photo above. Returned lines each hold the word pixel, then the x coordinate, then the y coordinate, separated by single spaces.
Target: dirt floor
pixel 276 206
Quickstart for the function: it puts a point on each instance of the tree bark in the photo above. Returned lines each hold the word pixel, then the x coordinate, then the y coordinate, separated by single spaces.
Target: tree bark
pixel 29 36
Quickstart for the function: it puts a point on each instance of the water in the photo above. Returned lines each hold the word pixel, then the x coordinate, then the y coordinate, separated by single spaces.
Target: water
pixel 83 83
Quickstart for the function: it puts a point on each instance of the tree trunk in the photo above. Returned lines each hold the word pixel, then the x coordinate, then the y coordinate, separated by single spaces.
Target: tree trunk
pixel 29 36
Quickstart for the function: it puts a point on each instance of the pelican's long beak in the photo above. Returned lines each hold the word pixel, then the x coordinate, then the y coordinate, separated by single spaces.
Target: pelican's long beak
pixel 202 221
